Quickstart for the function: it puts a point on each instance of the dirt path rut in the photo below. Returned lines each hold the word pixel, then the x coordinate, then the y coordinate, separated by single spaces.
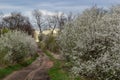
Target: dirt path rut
pixel 36 71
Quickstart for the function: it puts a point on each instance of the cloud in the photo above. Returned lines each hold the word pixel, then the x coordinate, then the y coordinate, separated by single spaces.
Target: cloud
pixel 77 7
pixel 2 6
pixel 44 13
pixel 114 1
pixel 62 6
pixel 47 6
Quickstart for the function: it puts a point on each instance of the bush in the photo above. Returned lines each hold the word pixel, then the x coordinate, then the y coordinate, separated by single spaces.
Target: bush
pixel 49 42
pixel 4 30
pixel 92 44
pixel 16 47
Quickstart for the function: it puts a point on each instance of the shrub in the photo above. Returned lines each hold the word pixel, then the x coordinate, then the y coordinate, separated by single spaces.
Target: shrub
pixel 15 47
pixel 4 30
pixel 49 42
pixel 42 45
pixel 92 44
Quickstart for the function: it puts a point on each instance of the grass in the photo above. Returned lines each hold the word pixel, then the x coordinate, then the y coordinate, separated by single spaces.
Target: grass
pixel 8 70
pixel 57 72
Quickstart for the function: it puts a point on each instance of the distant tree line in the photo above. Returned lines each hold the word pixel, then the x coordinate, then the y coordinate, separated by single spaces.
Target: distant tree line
pixel 17 21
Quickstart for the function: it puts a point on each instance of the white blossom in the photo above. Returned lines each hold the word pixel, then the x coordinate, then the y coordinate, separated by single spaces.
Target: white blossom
pixel 16 46
pixel 92 43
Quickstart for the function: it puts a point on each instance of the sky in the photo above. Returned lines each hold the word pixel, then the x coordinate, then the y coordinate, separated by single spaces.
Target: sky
pixel 74 6
pixel 49 7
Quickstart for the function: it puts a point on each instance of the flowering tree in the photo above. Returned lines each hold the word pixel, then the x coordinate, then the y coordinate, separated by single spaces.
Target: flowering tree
pixel 92 44
pixel 16 46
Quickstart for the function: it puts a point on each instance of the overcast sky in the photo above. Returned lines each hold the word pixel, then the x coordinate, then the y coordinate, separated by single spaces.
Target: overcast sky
pixel 53 5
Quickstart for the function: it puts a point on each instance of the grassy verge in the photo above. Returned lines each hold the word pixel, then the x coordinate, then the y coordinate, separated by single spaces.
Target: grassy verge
pixel 6 71
pixel 57 72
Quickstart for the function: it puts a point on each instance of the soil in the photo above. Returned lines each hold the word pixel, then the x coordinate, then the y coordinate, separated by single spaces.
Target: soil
pixel 38 70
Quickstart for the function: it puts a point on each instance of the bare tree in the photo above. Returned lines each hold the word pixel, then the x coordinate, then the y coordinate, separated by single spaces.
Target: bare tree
pixel 52 22
pixel 1 16
pixel 39 19
pixel 56 21
pixel 70 17
pixel 17 21
pixel 61 19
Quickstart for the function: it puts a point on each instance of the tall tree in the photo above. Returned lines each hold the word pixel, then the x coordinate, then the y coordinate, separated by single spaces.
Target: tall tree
pixel 18 21
pixel 1 16
pixel 56 21
pixel 39 19
pixel 61 20
pixel 52 22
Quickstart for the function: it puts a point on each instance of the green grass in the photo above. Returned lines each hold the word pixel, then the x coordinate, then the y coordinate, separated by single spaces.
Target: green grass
pixel 57 72
pixel 6 71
